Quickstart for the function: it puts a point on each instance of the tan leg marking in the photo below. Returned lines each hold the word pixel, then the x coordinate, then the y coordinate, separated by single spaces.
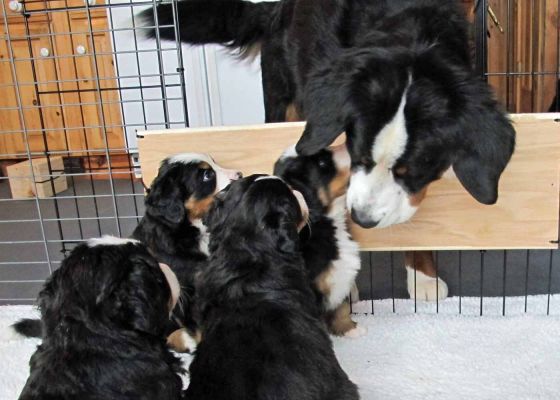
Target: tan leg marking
pixel 292 114
pixel 422 261
pixel 339 321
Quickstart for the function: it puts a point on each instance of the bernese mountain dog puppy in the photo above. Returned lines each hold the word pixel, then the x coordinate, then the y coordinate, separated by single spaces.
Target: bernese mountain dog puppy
pixel 173 231
pixel 331 257
pixel 104 313
pixel 263 337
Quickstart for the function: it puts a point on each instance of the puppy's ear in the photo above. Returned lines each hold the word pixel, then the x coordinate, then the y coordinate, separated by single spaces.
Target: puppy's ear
pixel 164 199
pixel 282 230
pixel 108 278
pixel 146 296
pixel 325 103
pixel 489 144
pixel 135 295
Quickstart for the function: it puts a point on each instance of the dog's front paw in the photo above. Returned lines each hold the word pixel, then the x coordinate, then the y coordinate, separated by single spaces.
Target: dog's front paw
pixel 355 333
pixel 427 287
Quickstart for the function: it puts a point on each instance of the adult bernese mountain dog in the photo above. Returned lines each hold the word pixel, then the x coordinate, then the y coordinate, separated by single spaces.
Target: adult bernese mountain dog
pixel 331 257
pixel 263 336
pixel 394 75
pixel 172 230
pixel 104 313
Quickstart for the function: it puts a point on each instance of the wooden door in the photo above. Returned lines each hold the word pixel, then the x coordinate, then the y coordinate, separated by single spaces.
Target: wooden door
pixel 523 59
pixel 90 64
pixel 73 81
pixel 35 73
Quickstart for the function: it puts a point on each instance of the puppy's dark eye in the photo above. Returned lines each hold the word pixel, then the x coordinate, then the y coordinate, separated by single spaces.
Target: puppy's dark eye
pixel 322 164
pixel 208 175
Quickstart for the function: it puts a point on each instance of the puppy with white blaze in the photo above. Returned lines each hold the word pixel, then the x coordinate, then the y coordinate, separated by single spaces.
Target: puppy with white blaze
pixel 262 336
pixel 172 229
pixel 331 257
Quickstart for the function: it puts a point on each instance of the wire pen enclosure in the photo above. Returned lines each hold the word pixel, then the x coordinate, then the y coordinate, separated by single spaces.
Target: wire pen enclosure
pixel 78 79
pixel 525 216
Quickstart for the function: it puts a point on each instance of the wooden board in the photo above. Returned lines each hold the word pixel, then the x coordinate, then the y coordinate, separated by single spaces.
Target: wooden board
pixel 21 178
pixel 525 216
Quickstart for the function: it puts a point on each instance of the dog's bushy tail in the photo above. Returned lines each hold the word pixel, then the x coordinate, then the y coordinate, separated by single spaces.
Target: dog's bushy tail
pixel 29 327
pixel 235 23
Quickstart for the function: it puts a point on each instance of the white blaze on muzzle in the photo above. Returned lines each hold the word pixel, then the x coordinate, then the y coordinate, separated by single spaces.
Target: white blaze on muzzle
pixel 374 197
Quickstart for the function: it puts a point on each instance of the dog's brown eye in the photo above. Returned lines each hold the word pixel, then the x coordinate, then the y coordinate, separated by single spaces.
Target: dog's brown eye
pixel 401 171
pixel 208 175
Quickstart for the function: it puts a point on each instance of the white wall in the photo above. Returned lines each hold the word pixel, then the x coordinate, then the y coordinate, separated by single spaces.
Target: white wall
pixel 221 90
pixel 235 88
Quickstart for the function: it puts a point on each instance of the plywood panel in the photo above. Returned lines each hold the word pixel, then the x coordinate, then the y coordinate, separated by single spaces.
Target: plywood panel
pixel 525 216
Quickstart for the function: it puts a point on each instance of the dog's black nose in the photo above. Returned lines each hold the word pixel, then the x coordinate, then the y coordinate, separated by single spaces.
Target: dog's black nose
pixel 239 175
pixel 363 219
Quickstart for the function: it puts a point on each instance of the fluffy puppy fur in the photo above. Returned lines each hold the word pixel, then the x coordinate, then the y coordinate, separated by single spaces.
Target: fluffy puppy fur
pixel 263 338
pixel 331 256
pixel 394 75
pixel 104 313
pixel 172 229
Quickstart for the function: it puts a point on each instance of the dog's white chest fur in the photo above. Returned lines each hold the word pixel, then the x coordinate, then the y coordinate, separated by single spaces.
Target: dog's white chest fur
pixel 204 238
pixel 345 268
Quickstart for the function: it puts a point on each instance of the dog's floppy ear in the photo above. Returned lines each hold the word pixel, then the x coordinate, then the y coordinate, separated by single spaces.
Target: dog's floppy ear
pixel 487 148
pixel 164 199
pixel 324 107
pixel 137 292
pixel 146 296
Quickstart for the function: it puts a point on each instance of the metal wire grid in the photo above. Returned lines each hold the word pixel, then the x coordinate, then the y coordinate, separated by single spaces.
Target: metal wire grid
pixel 90 207
pixel 36 233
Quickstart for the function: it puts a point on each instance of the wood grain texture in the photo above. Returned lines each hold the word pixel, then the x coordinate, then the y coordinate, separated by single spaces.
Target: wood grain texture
pixel 525 216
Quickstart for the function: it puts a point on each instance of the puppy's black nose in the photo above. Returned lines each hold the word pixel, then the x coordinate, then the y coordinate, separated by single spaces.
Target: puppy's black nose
pixel 363 219
pixel 239 175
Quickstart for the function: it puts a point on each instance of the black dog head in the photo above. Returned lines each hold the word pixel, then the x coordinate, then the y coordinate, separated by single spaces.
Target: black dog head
pixel 185 187
pixel 409 114
pixel 110 285
pixel 258 209
pixel 321 177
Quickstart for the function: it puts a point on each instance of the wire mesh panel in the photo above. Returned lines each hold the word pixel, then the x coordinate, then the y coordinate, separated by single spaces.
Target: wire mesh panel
pixel 78 78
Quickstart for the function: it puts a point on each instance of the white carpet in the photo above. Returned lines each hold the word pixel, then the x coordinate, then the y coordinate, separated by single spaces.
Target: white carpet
pixel 405 356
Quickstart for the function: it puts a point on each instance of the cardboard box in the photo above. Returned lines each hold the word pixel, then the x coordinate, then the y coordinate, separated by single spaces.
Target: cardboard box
pixel 21 178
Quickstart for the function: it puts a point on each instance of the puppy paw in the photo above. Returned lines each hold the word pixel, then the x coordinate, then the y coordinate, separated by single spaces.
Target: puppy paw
pixel 355 333
pixel 181 341
pixel 427 288
pixel 354 293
